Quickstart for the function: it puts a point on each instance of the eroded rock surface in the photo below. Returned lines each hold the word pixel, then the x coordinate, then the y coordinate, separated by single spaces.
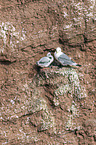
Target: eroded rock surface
pixel 56 105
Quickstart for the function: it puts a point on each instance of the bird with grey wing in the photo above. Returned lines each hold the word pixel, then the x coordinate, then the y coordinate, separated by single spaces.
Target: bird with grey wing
pixel 63 59
pixel 45 61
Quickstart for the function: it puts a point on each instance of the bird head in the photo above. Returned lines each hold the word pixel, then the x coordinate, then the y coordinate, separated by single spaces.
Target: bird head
pixel 58 49
pixel 48 54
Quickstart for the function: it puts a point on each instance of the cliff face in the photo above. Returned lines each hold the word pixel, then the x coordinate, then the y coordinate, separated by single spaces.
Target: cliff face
pixel 55 105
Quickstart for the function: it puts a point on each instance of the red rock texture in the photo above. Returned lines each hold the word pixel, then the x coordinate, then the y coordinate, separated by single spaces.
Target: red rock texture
pixel 28 30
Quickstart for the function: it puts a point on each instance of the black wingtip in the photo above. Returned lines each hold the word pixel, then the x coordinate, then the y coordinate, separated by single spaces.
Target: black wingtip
pixel 79 65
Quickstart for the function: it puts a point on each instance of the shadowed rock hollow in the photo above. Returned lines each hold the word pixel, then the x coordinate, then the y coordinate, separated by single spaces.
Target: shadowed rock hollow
pixel 55 105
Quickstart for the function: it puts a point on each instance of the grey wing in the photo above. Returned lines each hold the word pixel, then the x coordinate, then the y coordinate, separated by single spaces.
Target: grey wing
pixel 65 60
pixel 44 60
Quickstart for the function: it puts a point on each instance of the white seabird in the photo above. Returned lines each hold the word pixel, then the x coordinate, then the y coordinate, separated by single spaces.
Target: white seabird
pixel 45 61
pixel 63 59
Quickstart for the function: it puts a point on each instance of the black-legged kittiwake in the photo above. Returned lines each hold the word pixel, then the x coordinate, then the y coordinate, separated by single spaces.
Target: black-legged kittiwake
pixel 45 61
pixel 63 59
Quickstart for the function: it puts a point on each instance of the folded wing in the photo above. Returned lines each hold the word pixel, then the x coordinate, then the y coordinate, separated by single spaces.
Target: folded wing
pixel 65 60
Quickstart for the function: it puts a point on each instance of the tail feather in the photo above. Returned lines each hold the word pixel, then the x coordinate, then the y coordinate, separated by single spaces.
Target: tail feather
pixel 37 62
pixel 76 64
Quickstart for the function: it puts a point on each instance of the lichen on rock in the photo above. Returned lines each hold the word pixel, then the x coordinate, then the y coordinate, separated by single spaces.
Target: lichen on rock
pixel 10 37
pixel 67 81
